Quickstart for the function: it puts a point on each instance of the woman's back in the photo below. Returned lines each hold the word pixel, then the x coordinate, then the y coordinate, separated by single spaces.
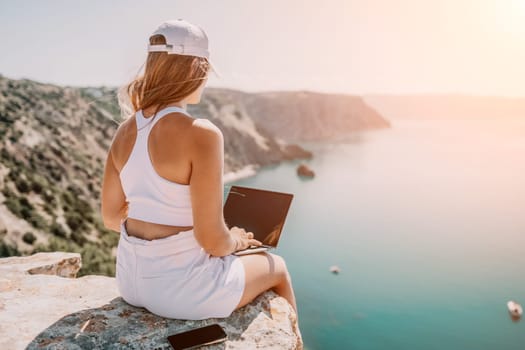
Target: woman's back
pixel 152 155
pixel 172 276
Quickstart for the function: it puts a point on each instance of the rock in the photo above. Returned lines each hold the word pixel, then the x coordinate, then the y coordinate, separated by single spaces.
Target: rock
pixel 41 310
pixel 294 151
pixel 304 170
pixel 297 116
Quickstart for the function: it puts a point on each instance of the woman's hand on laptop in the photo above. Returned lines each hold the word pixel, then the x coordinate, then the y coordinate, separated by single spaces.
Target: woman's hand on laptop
pixel 243 239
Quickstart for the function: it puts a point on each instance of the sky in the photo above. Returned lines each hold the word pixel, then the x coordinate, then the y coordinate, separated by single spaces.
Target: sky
pixel 362 47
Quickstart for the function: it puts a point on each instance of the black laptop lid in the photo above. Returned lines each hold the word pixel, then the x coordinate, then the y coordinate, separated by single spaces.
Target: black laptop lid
pixel 259 211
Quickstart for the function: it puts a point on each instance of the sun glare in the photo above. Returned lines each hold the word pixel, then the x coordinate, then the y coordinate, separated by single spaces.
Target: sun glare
pixel 514 16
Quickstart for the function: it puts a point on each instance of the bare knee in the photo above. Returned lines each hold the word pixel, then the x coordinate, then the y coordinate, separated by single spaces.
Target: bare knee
pixel 281 269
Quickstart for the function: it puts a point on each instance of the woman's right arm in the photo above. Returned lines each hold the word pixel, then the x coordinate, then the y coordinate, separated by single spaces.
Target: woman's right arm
pixel 206 189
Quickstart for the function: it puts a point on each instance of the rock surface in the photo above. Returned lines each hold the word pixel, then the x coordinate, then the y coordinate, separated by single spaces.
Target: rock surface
pixel 39 309
pixel 304 170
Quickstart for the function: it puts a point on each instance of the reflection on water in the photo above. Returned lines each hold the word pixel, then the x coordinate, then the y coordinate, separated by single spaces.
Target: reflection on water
pixel 427 223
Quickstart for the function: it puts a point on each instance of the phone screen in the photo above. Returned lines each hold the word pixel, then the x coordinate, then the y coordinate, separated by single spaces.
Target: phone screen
pixel 209 334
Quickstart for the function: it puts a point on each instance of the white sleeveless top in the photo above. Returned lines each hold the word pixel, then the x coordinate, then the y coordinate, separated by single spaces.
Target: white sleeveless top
pixel 151 197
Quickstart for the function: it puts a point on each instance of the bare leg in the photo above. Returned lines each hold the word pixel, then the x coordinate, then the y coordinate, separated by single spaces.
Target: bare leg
pixel 266 271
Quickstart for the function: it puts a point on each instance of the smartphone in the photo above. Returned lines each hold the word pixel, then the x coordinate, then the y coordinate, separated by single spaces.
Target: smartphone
pixel 193 338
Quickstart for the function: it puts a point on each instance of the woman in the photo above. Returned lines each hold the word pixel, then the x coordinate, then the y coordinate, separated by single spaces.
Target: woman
pixel 163 191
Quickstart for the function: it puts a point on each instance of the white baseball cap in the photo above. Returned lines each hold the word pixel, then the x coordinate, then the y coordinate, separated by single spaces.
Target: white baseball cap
pixel 183 38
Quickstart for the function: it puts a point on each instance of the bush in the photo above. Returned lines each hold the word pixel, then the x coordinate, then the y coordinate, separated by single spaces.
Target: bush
pixel 96 261
pixel 78 238
pixel 67 198
pixel 109 238
pixel 14 173
pixel 37 220
pixel 7 250
pixel 15 136
pixel 29 237
pixel 49 197
pixel 74 221
pixel 25 203
pixel 57 230
pixel 57 244
pixel 13 205
pixel 21 207
pixel 22 185
pixel 38 183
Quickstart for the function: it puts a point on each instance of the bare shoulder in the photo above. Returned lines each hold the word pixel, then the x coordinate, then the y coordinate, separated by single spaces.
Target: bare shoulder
pixel 193 134
pixel 123 140
pixel 203 132
pixel 124 131
pixel 183 126
pixel 205 135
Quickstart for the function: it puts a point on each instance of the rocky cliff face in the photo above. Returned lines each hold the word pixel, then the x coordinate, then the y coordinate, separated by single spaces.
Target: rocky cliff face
pixel 43 306
pixel 54 141
pixel 297 116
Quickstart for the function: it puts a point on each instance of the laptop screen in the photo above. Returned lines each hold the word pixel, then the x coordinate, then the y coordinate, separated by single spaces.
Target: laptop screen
pixel 259 211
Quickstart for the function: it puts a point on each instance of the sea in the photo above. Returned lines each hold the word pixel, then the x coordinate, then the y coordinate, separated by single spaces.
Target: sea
pixel 426 221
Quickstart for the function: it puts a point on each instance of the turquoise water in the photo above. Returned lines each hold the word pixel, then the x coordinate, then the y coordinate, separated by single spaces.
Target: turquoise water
pixel 426 221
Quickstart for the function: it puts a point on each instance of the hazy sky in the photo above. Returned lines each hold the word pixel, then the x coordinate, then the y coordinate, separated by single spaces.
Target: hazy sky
pixel 356 47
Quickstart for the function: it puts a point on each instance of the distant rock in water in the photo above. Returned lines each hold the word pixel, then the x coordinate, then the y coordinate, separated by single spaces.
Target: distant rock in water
pixel 304 170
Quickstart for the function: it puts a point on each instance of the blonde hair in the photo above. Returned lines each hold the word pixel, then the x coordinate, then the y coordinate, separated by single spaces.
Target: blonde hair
pixel 167 78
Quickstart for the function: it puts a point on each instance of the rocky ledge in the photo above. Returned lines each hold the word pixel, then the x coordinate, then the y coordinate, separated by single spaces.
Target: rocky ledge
pixel 44 306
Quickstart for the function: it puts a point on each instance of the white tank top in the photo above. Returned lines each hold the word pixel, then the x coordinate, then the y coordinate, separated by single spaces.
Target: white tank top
pixel 151 197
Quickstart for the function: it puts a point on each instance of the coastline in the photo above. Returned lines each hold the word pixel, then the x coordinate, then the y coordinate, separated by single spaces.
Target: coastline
pixel 247 171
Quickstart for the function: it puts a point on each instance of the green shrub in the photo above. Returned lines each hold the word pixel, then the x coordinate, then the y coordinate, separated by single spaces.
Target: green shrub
pixel 96 261
pixel 109 238
pixel 24 202
pixel 15 136
pixel 48 208
pixel 14 173
pixel 67 197
pixel 29 237
pixel 7 250
pixel 13 205
pixel 37 220
pixel 74 221
pixel 57 244
pixel 49 197
pixel 22 185
pixel 57 230
pixel 78 237
pixel 38 184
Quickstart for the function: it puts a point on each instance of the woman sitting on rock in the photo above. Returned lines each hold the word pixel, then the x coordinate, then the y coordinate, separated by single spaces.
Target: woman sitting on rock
pixel 163 191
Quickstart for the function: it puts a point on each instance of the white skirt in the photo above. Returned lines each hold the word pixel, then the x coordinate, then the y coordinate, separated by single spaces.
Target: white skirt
pixel 174 277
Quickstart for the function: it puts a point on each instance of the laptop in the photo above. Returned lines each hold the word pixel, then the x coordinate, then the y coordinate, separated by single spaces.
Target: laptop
pixel 262 212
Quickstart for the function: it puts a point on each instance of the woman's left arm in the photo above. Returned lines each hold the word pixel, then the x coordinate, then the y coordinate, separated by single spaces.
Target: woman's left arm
pixel 114 207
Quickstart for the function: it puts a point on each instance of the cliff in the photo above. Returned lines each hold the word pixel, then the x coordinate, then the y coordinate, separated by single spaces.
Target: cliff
pixel 54 141
pixel 297 116
pixel 44 306
pixel 53 145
